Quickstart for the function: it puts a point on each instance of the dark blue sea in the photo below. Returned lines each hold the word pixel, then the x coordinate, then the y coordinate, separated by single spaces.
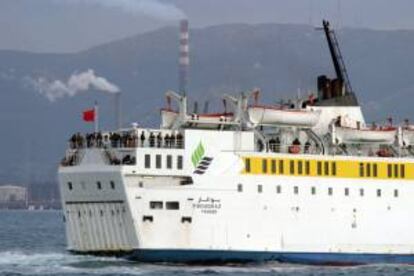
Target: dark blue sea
pixel 33 243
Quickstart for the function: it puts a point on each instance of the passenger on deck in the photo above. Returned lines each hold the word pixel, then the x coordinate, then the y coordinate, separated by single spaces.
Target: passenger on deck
pixel 172 140
pixel 134 139
pixel 142 138
pixel 99 140
pixel 167 140
pixel 307 147
pixel 152 140
pixel 159 139
pixel 260 145
pixel 277 144
pixel 295 147
pixel 272 145
pixel 72 141
pixel 180 140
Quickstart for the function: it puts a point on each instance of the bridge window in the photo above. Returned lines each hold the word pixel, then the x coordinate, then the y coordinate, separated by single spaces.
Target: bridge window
pixel 281 167
pixel 402 170
pixel 378 192
pixel 319 168
pixel 172 205
pixel 375 170
pixel 147 161
pixel 264 165
pixel 259 188
pixel 99 185
pixel 346 191
pixel 247 165
pixel 169 162
pixel 240 187
pixel 273 166
pixel 112 183
pixel 292 167
pixel 307 167
pixel 361 169
pixel 361 192
pixel 395 193
pixel 313 190
pixel 278 189
pixel 333 167
pixel 396 170
pixel 296 190
pixel 389 170
pixel 158 161
pixel 156 205
pixel 300 167
pixel 330 191
pixel 326 171
pixel 368 169
pixel 70 186
pixel 180 162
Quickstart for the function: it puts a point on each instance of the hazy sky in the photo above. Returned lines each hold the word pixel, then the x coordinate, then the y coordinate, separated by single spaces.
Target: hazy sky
pixel 73 25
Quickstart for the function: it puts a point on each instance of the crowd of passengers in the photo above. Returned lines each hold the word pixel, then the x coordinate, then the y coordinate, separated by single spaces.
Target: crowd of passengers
pixel 125 140
pixel 274 145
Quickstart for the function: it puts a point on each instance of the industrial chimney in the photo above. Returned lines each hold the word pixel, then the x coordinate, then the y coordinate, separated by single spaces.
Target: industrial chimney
pixel 184 61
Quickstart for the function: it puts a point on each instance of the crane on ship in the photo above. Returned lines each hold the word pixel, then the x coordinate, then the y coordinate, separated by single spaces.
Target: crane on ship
pixel 341 85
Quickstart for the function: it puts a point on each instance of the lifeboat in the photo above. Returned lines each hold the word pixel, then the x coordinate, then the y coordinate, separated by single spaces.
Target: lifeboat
pixel 206 120
pixel 210 120
pixel 384 135
pixel 275 115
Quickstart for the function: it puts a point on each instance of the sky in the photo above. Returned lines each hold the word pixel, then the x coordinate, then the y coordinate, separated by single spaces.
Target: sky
pixel 74 25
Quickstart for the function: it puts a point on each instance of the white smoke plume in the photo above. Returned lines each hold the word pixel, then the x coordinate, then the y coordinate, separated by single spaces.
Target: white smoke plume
pixel 154 8
pixel 77 82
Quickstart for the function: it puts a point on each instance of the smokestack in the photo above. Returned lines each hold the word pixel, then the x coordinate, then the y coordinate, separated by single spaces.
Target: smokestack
pixel 117 110
pixel 184 57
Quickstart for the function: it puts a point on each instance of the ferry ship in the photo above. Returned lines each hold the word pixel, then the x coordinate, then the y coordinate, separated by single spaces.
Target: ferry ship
pixel 307 182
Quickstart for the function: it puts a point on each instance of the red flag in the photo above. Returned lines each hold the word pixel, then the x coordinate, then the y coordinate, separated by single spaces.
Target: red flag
pixel 89 115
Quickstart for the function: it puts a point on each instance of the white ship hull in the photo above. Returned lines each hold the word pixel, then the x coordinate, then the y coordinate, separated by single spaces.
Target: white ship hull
pixel 215 221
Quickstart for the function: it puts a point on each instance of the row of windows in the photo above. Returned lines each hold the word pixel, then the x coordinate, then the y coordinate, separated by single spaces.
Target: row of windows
pixel 313 190
pixel 342 168
pixel 99 185
pixel 301 167
pixel 396 170
pixel 169 205
pixel 92 212
pixel 168 161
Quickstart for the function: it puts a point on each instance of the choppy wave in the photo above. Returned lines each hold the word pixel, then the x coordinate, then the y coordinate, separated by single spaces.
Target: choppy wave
pixel 23 263
pixel 33 244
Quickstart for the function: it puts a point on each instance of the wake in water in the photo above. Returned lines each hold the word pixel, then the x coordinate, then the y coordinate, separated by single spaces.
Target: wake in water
pixel 20 263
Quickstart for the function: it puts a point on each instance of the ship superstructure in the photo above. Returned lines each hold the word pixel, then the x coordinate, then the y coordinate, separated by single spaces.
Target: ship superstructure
pixel 306 182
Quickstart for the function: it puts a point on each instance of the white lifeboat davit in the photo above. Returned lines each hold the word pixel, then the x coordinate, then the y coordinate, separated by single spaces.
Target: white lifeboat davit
pixel 168 117
pixel 384 135
pixel 275 115
pixel 408 135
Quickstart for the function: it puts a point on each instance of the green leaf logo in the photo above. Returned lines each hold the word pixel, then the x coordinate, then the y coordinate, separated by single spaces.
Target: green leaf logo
pixel 197 154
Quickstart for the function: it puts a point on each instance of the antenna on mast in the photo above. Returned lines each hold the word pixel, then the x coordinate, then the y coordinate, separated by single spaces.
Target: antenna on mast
pixel 184 61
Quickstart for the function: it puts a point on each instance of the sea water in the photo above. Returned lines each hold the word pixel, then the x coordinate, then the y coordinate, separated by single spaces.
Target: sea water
pixel 33 243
